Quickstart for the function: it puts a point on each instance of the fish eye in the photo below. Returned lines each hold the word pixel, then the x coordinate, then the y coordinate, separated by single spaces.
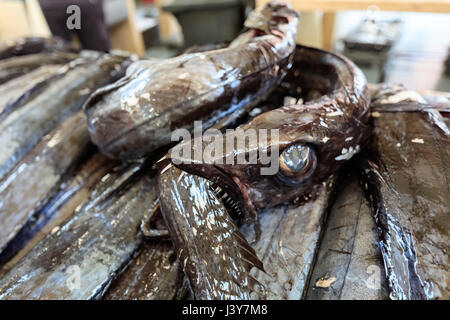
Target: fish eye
pixel 297 163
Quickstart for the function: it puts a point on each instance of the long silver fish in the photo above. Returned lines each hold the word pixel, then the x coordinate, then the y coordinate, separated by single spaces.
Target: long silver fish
pixel 57 206
pixel 349 265
pixel 92 247
pixel 30 45
pixel 407 177
pixel 22 129
pixel 31 182
pixel 136 115
pixel 18 91
pixel 15 67
pixel 154 274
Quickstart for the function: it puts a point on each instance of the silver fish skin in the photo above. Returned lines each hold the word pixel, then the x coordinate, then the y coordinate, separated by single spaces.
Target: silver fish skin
pixel 289 242
pixel 30 184
pixel 349 265
pixel 18 66
pixel 56 206
pixel 154 274
pixel 136 115
pixel 22 129
pixel 96 243
pixel 29 45
pixel 17 91
pixel 407 179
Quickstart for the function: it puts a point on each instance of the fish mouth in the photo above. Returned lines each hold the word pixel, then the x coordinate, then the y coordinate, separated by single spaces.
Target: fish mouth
pixel 229 190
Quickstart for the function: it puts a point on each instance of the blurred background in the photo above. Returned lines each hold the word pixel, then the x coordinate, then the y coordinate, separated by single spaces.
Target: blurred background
pixel 391 40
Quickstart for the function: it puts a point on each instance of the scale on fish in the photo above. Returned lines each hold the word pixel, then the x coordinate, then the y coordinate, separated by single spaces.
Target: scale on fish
pixel 136 115
pixel 315 139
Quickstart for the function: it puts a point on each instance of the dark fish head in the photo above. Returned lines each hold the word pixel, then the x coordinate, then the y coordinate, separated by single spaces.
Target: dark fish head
pixel 282 155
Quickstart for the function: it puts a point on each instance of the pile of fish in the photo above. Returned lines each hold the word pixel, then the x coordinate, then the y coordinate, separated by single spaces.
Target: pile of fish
pixel 96 202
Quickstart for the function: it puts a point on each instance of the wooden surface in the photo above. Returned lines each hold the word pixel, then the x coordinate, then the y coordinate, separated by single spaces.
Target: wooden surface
pixel 22 19
pixel 328 30
pixel 125 36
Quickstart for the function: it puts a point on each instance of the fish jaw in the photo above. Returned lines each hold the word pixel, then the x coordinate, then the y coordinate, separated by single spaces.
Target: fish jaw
pixel 256 188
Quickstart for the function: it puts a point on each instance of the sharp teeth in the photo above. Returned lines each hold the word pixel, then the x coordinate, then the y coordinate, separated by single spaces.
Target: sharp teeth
pixel 162 159
pixel 166 168
pixel 181 176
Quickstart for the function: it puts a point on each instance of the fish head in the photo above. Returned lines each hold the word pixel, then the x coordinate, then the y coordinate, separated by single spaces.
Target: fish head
pixel 280 156
pixel 284 154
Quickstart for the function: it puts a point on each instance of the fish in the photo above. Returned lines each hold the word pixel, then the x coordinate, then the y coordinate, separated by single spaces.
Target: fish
pixel 33 179
pixel 407 180
pixel 22 129
pixel 201 228
pixel 58 205
pixel 154 274
pixel 91 248
pixel 326 130
pixel 21 89
pixel 50 175
pixel 18 66
pixel 136 115
pixel 30 45
pixel 349 265
pixel 289 242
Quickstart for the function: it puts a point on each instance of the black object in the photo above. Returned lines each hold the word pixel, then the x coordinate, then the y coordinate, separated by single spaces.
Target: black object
pixel 93 32
pixel 206 21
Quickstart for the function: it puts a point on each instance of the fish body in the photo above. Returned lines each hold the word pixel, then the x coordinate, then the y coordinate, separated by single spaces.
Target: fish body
pixel 288 245
pixel 22 129
pixel 18 66
pixel 136 115
pixel 19 90
pixel 349 265
pixel 206 237
pixel 407 179
pixel 32 181
pixel 58 205
pixel 96 242
pixel 30 45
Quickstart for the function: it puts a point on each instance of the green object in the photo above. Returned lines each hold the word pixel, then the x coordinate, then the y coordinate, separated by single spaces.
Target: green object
pixel 206 21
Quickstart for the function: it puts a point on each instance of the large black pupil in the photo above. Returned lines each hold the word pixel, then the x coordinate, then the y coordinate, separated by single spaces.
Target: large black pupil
pixel 295 157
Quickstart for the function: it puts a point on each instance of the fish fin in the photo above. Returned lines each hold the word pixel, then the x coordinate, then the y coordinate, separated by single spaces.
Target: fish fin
pixel 249 253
